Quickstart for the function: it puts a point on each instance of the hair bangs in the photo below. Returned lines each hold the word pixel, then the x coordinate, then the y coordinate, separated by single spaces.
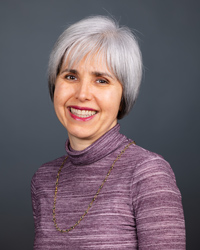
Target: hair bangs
pixel 101 39
pixel 86 49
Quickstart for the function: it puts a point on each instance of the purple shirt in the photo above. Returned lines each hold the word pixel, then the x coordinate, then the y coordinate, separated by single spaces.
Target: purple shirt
pixel 139 206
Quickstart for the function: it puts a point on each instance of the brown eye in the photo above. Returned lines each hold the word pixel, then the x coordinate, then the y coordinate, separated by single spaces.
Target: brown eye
pixel 102 81
pixel 70 77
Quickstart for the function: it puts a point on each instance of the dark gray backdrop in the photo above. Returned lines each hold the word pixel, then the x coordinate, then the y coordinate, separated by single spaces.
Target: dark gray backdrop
pixel 165 118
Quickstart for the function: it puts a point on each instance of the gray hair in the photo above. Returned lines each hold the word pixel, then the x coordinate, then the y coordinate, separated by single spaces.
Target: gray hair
pixel 102 36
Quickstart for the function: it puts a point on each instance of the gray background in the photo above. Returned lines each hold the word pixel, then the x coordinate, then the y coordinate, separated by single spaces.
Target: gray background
pixel 165 118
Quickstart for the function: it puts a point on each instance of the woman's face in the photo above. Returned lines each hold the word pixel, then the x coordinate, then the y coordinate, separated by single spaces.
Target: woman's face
pixel 86 99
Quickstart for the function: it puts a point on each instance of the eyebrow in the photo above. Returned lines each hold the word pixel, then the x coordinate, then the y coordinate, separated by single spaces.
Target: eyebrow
pixel 95 73
pixel 73 71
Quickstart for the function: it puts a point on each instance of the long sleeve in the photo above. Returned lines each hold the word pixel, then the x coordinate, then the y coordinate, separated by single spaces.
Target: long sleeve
pixel 139 206
pixel 157 207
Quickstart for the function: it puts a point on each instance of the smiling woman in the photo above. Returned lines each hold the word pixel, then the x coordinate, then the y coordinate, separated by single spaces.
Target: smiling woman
pixel 106 192
pixel 87 100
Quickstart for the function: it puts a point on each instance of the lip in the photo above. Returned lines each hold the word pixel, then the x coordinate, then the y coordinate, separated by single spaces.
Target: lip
pixel 84 119
pixel 82 108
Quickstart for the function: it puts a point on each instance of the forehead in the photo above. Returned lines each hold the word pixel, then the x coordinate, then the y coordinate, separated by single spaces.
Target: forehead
pixel 91 62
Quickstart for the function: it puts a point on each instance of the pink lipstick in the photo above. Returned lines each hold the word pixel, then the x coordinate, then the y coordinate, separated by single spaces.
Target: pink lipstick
pixel 82 113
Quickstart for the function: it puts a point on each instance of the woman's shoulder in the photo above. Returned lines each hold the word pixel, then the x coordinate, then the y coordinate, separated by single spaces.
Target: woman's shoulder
pixel 140 154
pixel 48 169
pixel 147 163
pixel 151 173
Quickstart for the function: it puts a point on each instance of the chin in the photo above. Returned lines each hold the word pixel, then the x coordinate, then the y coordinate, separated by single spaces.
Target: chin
pixel 81 133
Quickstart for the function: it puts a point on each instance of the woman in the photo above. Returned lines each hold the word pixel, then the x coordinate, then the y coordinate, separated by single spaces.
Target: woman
pixel 107 192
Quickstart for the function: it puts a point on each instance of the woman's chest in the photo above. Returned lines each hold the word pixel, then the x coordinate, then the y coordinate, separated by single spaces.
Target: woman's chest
pixel 109 218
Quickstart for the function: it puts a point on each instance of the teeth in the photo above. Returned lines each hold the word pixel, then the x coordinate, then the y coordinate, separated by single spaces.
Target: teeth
pixel 82 113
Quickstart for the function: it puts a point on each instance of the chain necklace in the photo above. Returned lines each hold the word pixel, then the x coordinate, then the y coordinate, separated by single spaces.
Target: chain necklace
pixel 94 198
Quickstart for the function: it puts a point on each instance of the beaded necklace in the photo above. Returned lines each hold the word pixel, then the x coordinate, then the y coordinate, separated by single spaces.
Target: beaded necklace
pixel 94 198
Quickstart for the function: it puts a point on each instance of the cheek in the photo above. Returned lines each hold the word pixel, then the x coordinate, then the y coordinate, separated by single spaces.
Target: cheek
pixel 56 100
pixel 59 100
pixel 111 100
pixel 61 94
pixel 59 103
pixel 115 96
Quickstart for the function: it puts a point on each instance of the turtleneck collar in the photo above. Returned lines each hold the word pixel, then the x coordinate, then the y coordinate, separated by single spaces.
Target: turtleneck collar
pixel 107 143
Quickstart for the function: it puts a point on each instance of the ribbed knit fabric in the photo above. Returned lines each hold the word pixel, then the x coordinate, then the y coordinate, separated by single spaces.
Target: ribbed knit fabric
pixel 139 206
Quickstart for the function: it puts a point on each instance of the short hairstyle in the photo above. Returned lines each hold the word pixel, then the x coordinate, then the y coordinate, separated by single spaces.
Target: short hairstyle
pixel 104 36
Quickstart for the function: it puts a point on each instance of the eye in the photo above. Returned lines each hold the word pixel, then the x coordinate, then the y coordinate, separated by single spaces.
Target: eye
pixel 70 77
pixel 102 81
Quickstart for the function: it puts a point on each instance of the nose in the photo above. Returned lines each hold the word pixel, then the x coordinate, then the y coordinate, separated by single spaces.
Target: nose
pixel 83 91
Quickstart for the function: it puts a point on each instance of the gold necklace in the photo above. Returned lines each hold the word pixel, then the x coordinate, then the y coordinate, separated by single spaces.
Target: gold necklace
pixel 56 190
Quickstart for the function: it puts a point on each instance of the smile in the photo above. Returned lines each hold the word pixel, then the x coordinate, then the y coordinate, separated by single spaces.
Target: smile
pixel 82 113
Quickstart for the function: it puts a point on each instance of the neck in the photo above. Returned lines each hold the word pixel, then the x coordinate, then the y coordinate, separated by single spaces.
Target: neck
pixel 79 144
pixel 96 149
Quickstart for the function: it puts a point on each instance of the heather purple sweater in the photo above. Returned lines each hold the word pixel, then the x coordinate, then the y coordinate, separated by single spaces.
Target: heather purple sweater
pixel 139 206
